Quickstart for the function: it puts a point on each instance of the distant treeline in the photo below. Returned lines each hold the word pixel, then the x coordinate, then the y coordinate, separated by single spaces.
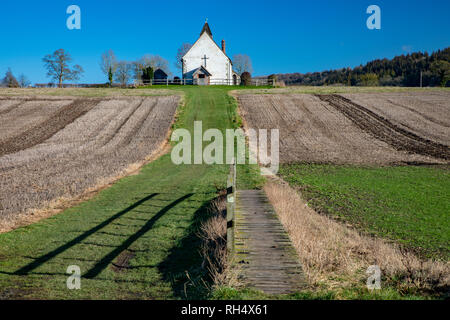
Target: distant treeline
pixel 402 70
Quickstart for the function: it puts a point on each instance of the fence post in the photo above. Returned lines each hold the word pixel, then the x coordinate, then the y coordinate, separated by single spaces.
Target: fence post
pixel 231 205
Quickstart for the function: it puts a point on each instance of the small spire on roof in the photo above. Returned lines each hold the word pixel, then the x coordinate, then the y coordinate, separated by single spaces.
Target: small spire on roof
pixel 206 28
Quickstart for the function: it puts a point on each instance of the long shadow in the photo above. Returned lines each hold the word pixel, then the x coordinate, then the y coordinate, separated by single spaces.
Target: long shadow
pixel 183 266
pixel 102 264
pixel 33 265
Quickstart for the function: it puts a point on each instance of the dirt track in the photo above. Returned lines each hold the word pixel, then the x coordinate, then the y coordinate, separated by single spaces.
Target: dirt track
pixel 326 130
pixel 384 130
pixel 90 141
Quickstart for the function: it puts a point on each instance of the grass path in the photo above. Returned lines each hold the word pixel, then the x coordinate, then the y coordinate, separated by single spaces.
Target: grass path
pixel 134 240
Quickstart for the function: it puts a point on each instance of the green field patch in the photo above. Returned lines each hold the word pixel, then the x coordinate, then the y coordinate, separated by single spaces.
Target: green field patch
pixel 408 204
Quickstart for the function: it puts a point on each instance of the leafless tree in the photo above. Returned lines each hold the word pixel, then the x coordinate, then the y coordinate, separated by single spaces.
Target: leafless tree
pixel 242 63
pixel 123 72
pixel 148 60
pixel 9 80
pixel 108 64
pixel 180 53
pixel 137 68
pixel 23 81
pixel 156 62
pixel 57 65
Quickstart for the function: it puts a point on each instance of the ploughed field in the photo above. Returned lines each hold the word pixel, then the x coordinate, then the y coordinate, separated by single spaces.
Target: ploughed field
pixel 373 128
pixel 53 147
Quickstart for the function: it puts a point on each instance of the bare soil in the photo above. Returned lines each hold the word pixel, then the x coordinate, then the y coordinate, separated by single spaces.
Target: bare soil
pixel 38 132
pixel 385 130
pixel 96 140
pixel 18 115
pixel 313 130
pixel 122 262
pixel 425 114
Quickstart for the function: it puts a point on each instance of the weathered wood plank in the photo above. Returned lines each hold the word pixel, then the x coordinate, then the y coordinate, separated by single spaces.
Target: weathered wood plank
pixel 265 254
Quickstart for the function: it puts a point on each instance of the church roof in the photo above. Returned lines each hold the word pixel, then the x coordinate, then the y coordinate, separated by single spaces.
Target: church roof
pixel 160 74
pixel 200 69
pixel 161 71
pixel 203 70
pixel 208 32
pixel 206 29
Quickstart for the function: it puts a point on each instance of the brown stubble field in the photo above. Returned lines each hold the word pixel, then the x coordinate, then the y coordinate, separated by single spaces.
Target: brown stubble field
pixel 425 114
pixel 57 148
pixel 333 129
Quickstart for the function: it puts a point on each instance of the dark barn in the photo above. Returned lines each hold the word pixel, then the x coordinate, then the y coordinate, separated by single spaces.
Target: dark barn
pixel 160 75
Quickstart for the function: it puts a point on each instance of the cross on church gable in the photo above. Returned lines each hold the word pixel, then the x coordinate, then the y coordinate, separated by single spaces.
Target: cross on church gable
pixel 205 58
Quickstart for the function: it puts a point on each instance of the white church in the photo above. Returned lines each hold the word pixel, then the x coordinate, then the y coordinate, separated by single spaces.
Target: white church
pixel 205 63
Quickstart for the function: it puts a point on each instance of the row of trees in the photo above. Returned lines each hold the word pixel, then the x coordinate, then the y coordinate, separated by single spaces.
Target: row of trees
pixel 404 70
pixel 11 81
pixel 59 67
pixel 139 70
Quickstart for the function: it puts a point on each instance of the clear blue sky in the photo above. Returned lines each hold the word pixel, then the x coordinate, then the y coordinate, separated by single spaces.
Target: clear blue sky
pixel 280 36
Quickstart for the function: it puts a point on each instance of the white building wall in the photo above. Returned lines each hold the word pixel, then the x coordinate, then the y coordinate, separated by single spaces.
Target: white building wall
pixel 218 63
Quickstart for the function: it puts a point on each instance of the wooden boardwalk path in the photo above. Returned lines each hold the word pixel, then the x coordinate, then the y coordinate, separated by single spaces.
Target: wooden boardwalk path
pixel 262 247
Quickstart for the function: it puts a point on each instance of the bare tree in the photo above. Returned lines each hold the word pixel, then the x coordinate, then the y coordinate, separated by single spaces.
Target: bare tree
pixel 156 62
pixel 123 72
pixel 148 60
pixel 57 65
pixel 242 63
pixel 9 80
pixel 108 64
pixel 180 53
pixel 145 61
pixel 23 81
pixel 137 68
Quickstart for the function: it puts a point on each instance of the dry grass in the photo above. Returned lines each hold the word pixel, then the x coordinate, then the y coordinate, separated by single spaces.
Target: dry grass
pixel 213 233
pixel 216 258
pixel 336 256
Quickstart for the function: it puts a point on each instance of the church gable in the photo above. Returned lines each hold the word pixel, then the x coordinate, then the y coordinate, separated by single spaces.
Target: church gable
pixel 207 54
pixel 206 36
pixel 206 29
pixel 205 43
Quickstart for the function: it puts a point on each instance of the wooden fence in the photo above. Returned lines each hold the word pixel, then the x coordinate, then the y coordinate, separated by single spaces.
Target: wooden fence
pixel 231 205
pixel 165 82
pixel 212 82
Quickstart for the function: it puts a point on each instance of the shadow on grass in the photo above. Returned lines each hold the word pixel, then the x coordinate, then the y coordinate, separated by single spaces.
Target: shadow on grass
pixel 43 259
pixel 183 266
pixel 106 260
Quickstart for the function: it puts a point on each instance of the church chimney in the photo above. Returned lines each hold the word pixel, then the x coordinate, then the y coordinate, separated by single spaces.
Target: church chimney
pixel 223 46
